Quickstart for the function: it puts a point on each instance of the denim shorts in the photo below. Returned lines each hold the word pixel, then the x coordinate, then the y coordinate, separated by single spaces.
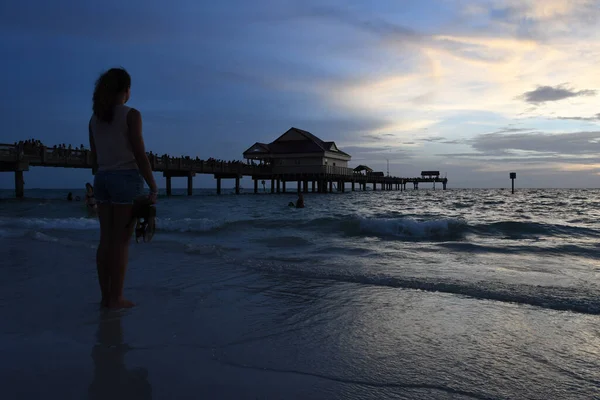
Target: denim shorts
pixel 118 186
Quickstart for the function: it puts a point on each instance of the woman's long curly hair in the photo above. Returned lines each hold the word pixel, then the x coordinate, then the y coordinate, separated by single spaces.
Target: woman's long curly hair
pixel 110 85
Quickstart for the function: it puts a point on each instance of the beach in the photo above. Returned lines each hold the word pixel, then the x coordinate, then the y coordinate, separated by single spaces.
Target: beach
pixel 457 294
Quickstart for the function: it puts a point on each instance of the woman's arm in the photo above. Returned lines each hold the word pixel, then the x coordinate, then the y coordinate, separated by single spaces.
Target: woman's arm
pixel 134 121
pixel 92 149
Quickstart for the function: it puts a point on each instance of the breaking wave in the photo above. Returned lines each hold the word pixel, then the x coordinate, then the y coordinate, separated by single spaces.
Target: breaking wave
pixel 579 300
pixel 396 228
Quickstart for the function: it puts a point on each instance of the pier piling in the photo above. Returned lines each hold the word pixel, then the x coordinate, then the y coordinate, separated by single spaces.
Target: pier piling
pixel 19 184
pixel 190 184
pixel 168 177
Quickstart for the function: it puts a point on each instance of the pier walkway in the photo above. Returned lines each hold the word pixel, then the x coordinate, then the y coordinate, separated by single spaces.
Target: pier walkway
pixel 322 178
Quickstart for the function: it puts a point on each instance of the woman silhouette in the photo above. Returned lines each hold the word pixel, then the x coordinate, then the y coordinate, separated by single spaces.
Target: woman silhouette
pixel 119 156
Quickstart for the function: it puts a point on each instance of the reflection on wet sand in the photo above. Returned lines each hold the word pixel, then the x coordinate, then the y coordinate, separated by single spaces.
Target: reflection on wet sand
pixel 112 380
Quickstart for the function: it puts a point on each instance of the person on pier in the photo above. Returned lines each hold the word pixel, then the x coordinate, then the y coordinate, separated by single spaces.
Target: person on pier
pixel 119 156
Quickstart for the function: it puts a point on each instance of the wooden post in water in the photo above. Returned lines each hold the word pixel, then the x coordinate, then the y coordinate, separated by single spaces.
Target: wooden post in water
pixel 313 186
pixel 237 185
pixel 513 176
pixel 19 184
pixel 168 185
pixel 190 184
pixel 305 189
pixel 272 185
pixel 219 185
pixel 353 186
pixel 256 186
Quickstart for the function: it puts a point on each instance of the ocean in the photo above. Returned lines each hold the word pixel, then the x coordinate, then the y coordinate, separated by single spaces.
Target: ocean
pixel 428 294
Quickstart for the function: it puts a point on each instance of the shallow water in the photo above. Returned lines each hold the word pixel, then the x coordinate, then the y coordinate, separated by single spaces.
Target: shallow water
pixel 419 295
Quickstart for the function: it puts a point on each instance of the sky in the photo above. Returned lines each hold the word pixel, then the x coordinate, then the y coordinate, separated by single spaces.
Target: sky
pixel 473 88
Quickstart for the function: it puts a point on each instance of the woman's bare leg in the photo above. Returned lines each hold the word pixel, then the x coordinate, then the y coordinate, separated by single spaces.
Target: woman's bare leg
pixel 103 254
pixel 122 229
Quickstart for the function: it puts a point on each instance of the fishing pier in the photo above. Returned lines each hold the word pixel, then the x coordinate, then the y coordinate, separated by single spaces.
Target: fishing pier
pixel 295 157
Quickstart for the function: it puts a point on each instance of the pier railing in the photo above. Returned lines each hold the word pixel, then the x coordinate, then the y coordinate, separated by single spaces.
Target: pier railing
pixel 313 169
pixel 19 157
pixel 81 158
pixel 77 158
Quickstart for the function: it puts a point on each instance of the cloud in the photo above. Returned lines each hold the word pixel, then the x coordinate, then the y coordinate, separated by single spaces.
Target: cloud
pixel 367 22
pixel 593 118
pixel 475 66
pixel 433 139
pixel 512 130
pixel 575 143
pixel 535 19
pixel 378 137
pixel 540 154
pixel 375 154
pixel 548 93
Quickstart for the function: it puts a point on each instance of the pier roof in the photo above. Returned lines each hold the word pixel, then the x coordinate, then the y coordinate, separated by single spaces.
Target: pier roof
pixel 295 141
pixel 363 168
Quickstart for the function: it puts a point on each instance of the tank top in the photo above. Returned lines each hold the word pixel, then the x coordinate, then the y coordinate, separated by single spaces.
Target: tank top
pixel 113 148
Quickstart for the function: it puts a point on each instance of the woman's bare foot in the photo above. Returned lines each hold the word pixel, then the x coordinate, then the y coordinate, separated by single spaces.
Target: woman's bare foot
pixel 121 303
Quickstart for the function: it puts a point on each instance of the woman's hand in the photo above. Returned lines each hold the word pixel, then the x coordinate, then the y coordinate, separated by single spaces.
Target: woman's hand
pixel 153 196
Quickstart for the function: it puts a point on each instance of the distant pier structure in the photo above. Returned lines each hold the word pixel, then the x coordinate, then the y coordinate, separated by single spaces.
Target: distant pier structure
pixel 301 157
pixel 295 156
